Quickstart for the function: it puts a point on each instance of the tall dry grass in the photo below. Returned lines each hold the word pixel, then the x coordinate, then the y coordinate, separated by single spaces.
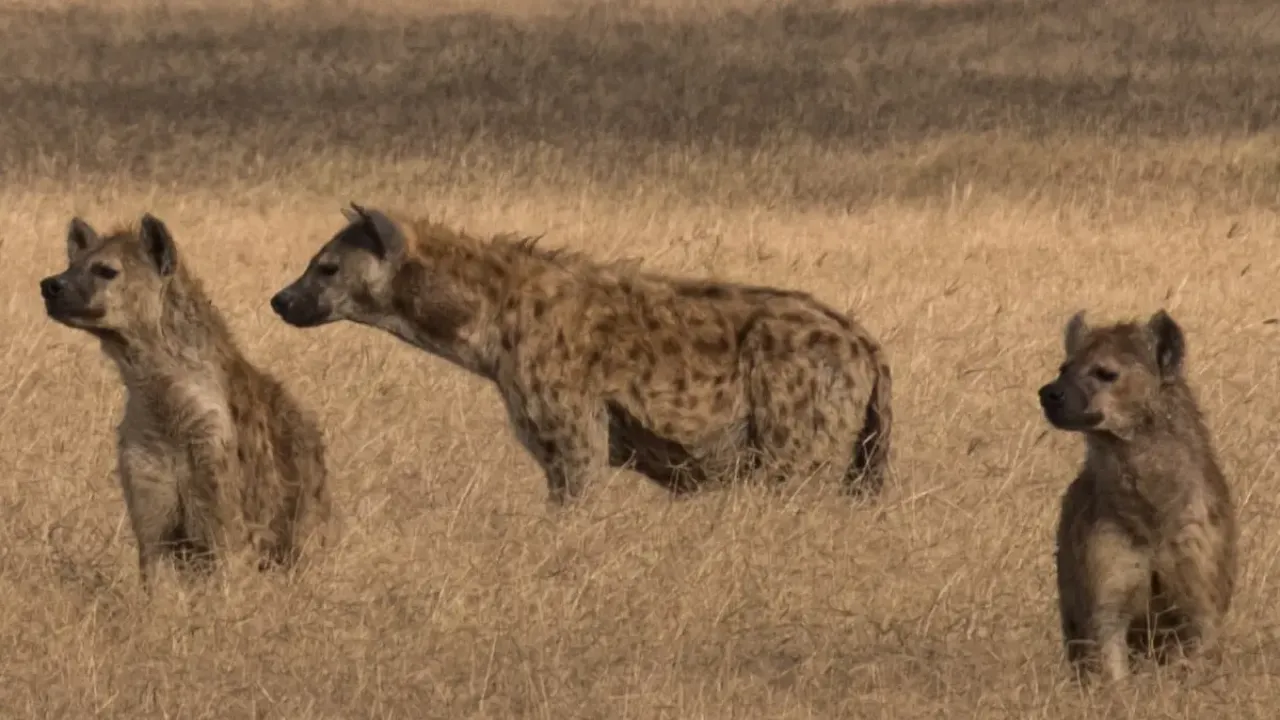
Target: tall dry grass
pixel 961 175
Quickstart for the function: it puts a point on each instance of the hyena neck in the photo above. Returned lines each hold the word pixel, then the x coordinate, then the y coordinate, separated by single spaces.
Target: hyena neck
pixel 446 298
pixel 1168 434
pixel 446 314
pixel 191 340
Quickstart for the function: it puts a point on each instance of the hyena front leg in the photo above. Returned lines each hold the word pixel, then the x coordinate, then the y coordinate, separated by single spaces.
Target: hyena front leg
pixel 155 514
pixel 1121 581
pixel 569 440
pixel 1110 626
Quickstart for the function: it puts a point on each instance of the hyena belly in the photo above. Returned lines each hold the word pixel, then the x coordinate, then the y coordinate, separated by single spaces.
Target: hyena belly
pixel 676 465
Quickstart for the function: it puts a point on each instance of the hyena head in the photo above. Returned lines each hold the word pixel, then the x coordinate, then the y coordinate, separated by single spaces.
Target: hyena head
pixel 113 285
pixel 1113 375
pixel 350 278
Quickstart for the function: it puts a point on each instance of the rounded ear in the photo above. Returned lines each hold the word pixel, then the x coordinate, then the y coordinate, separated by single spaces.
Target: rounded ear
pixel 378 234
pixel 1073 335
pixel 1170 343
pixel 158 245
pixel 390 239
pixel 354 213
pixel 80 238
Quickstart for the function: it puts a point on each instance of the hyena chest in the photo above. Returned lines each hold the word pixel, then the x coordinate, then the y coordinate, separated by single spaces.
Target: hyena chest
pixel 178 437
pixel 151 458
pixel 1153 510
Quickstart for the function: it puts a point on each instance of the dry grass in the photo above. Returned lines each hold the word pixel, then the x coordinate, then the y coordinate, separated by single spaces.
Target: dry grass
pixel 961 175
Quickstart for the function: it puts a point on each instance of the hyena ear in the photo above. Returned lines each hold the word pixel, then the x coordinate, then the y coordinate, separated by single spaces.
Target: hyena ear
pixel 1073 335
pixel 353 214
pixel 380 235
pixel 1170 343
pixel 80 238
pixel 158 245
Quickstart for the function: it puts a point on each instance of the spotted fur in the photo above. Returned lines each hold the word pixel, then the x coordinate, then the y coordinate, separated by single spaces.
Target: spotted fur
pixel 690 382
pixel 214 456
pixel 1146 545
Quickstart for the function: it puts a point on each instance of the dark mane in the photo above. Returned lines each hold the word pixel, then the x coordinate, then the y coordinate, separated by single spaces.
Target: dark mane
pixel 513 246
pixel 528 245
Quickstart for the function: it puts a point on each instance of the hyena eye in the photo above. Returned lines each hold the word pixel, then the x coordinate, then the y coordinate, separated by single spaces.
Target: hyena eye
pixel 327 270
pixel 1105 375
pixel 103 271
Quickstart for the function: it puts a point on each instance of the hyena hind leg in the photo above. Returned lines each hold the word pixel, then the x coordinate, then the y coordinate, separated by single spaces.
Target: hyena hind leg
pixel 808 414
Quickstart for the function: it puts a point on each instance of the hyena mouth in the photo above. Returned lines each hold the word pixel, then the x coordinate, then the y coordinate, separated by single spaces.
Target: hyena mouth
pixel 304 319
pixel 1077 421
pixel 73 316
pixel 1067 408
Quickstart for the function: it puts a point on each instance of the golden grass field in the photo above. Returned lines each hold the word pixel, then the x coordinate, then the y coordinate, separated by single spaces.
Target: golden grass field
pixel 961 175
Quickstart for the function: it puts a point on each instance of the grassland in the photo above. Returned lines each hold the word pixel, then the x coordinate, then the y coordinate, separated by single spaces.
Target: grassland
pixel 961 175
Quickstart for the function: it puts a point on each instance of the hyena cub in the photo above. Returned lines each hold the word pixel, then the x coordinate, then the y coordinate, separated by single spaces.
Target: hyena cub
pixel 689 382
pixel 213 455
pixel 1146 546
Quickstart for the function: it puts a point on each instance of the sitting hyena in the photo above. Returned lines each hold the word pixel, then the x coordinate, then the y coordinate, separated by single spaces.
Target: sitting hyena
pixel 600 365
pixel 1146 548
pixel 213 453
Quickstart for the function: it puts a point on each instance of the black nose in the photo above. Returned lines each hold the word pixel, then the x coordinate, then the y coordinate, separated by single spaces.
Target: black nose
pixel 280 302
pixel 1051 395
pixel 51 287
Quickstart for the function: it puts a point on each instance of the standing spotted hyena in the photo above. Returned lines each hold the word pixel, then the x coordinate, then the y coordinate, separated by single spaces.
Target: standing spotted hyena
pixel 214 455
pixel 688 382
pixel 1146 547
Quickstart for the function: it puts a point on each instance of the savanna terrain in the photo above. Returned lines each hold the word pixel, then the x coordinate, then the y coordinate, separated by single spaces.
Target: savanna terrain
pixel 960 175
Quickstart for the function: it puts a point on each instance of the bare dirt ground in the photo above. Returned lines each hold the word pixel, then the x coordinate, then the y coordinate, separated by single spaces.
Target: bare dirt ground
pixel 961 175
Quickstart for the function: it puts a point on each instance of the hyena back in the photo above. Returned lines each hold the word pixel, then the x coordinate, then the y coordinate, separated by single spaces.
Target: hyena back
pixel 688 382
pixel 214 456
pixel 1146 542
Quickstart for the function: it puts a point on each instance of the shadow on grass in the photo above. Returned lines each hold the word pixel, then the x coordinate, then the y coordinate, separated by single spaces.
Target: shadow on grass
pixel 80 91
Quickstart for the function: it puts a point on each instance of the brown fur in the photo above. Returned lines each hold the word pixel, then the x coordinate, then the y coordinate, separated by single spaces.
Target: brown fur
pixel 599 364
pixel 214 455
pixel 1146 546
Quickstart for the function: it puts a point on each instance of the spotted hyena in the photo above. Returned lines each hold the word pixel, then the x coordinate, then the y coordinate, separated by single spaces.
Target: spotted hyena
pixel 689 382
pixel 213 454
pixel 1146 547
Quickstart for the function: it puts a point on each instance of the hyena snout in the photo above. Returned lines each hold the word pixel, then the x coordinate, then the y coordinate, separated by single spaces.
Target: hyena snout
pixel 1067 406
pixel 63 301
pixel 298 309
pixel 52 287
pixel 282 302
